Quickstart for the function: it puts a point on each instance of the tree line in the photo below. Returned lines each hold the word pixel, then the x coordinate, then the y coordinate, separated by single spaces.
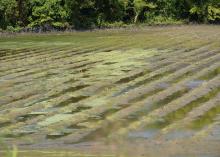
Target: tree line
pixel 84 14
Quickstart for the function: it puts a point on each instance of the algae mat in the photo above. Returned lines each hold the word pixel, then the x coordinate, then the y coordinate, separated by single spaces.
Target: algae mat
pixel 104 93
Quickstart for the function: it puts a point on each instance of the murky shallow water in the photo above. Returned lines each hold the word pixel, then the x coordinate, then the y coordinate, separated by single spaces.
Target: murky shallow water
pixel 95 94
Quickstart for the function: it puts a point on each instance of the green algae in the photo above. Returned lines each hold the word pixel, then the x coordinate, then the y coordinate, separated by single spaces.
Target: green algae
pixel 180 113
pixel 170 98
pixel 54 119
pixel 119 60
pixel 211 74
pixel 205 119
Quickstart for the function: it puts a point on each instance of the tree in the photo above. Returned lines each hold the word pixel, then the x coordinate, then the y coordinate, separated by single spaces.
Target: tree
pixel 86 14
pixel 205 10
pixel 82 13
pixel 108 11
pixel 214 13
pixel 139 6
pixel 23 10
pixel 48 13
pixel 8 13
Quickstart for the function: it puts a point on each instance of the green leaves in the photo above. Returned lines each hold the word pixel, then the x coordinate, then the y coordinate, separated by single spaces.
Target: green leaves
pixel 213 13
pixel 49 12
pixel 7 12
pixel 84 14
pixel 207 10
pixel 7 5
pixel 139 5
pixel 195 10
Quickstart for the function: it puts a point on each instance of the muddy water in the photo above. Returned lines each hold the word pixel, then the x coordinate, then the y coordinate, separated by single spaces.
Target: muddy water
pixel 152 92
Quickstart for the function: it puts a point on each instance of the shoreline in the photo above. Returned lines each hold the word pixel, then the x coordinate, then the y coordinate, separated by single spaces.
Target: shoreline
pixel 129 28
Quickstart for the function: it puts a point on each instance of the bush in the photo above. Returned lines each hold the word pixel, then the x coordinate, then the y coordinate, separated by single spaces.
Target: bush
pixel 213 13
pixel 161 20
pixel 13 29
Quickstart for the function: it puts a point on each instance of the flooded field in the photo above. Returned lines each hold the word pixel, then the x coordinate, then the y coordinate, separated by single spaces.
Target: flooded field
pixel 151 92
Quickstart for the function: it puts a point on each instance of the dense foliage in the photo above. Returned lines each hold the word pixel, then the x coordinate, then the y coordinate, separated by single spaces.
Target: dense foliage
pixel 81 14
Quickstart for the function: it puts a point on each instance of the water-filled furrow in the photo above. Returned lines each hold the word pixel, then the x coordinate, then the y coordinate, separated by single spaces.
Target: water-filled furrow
pixel 183 51
pixel 71 100
pixel 68 90
pixel 64 108
pixel 139 106
pixel 80 71
pixel 9 99
pixel 198 68
pixel 39 52
pixel 180 113
pixel 49 95
pixel 155 119
pixel 205 112
pixel 130 78
pixel 52 50
pixel 167 99
pixel 26 64
pixel 10 53
pixel 183 74
pixel 46 69
pixel 214 72
pixel 109 127
pixel 202 56
pixel 154 77
pixel 41 57
pixel 60 58
pixel 148 79
pixel 40 102
pixel 27 53
pixel 49 57
pixel 175 51
pixel 94 49
pixel 205 119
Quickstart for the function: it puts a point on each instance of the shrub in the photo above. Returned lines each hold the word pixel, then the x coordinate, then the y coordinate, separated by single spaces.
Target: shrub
pixel 13 29
pixel 161 20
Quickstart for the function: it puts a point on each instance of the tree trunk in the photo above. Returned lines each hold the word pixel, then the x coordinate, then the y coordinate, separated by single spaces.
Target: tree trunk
pixel 20 4
pixel 136 17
